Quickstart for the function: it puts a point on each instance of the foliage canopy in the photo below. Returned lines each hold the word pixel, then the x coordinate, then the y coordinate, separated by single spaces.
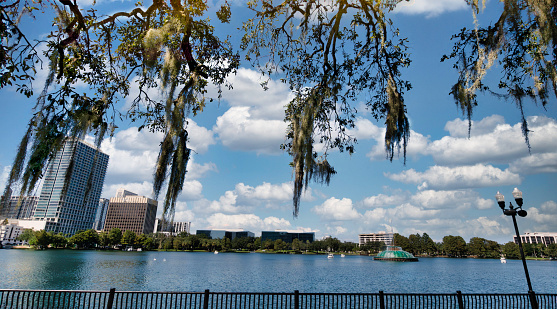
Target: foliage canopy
pixel 330 54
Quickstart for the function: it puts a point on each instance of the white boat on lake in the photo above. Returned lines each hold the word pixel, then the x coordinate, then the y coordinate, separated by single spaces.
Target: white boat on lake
pixel 503 260
pixel 330 256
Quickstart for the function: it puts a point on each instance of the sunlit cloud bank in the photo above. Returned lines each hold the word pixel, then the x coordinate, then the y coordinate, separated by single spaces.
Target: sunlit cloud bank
pixel 429 8
pixel 255 119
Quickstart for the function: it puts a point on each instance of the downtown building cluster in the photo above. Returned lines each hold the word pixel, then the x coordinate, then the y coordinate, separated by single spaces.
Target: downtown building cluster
pixel 69 200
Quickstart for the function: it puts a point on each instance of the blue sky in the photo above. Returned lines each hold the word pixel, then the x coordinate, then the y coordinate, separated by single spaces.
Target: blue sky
pixel 239 178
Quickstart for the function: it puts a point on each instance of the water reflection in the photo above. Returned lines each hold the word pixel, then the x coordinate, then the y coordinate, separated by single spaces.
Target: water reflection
pixel 183 271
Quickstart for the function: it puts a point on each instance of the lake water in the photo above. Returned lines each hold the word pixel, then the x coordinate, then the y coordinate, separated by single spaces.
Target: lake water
pixel 258 272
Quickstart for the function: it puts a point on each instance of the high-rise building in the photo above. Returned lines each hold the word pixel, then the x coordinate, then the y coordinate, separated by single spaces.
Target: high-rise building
pixel 70 206
pixel 385 237
pixel 18 209
pixel 100 217
pixel 175 229
pixel 131 212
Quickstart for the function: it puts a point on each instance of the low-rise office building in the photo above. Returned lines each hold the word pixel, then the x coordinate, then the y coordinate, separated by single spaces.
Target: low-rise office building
pixel 10 229
pixel 387 238
pixel 537 238
pixel 288 236
pixel 172 229
pixel 230 234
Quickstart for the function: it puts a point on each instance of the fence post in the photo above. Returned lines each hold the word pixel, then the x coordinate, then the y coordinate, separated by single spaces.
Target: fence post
pixel 533 300
pixel 206 300
pixel 296 299
pixel 381 300
pixel 110 298
pixel 460 301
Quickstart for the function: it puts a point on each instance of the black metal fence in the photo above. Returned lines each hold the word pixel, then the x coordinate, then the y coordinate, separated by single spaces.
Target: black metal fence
pixel 224 300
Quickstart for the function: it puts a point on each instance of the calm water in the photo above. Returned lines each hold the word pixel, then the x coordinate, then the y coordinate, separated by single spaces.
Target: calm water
pixel 254 272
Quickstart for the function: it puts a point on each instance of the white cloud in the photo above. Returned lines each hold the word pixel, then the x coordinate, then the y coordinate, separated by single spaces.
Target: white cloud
pixel 133 155
pixel 460 177
pixel 451 199
pixel 544 217
pixel 365 129
pixel 255 121
pixel 459 127
pixel 492 140
pixel 535 164
pixel 226 203
pixel 266 191
pixel 549 207
pixel 430 8
pixel 239 130
pixel 335 209
pixel 245 198
pixel 417 146
pixel 4 177
pixel 249 222
pixel 382 200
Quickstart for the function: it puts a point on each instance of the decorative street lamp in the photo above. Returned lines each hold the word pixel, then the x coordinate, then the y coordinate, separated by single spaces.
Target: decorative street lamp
pixel 511 211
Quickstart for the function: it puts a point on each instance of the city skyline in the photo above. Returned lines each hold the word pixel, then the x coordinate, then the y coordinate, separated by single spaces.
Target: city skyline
pixel 239 178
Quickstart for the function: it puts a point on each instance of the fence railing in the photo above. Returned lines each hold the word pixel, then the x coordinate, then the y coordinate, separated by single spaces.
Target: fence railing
pixel 225 300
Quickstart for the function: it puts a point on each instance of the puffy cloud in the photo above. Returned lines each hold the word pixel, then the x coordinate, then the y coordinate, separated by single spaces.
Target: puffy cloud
pixel 239 130
pixel 430 8
pixel 255 120
pixel 458 128
pixel 4 176
pixel 250 222
pixel 460 177
pixel 431 199
pixel 549 207
pixel 535 164
pixel 245 198
pixel 226 203
pixel 133 155
pixel 382 200
pixel 266 191
pixel 417 146
pixel 402 212
pixel 544 217
pixel 365 129
pixel 335 209
pixel 494 141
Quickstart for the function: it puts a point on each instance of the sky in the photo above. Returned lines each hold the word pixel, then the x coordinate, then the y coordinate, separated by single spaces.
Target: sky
pixel 239 178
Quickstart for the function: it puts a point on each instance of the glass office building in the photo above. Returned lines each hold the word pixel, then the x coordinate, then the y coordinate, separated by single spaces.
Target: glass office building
pixel 220 234
pixel 288 236
pixel 71 206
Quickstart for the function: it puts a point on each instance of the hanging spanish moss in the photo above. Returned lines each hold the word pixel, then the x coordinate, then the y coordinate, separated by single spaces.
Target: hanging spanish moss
pixel 398 127
pixel 523 41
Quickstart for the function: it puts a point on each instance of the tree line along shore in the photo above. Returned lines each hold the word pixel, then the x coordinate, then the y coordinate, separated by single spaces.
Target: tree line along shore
pixel 419 245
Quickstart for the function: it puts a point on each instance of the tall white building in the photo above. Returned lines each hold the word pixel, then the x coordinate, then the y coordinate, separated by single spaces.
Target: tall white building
pixel 538 238
pixel 177 227
pixel 72 207
pixel 387 238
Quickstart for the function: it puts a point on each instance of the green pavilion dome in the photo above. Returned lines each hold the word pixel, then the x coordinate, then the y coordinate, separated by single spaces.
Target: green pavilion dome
pixel 394 253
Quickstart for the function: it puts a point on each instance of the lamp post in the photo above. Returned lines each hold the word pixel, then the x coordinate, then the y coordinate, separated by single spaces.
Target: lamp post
pixel 512 211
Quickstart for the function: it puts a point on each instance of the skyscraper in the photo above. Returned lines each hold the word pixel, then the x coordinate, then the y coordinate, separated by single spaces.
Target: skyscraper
pixel 101 214
pixel 71 206
pixel 129 211
pixel 18 209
